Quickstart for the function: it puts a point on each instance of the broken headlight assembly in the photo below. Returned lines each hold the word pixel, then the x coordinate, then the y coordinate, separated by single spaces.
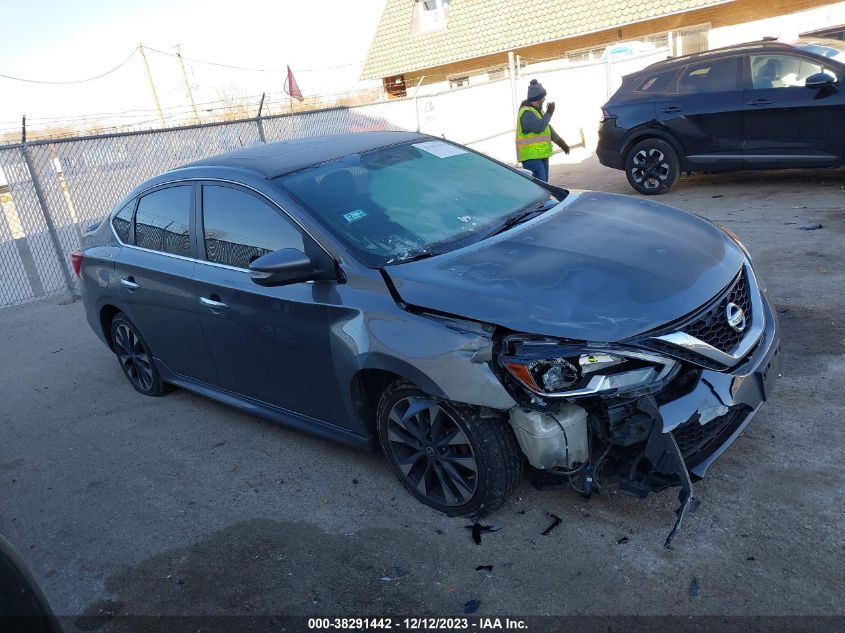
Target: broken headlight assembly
pixel 557 369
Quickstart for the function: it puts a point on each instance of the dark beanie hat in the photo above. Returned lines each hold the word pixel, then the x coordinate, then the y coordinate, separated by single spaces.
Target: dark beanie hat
pixel 535 90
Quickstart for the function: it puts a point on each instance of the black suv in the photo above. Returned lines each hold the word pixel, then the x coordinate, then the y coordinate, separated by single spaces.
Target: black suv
pixel 763 105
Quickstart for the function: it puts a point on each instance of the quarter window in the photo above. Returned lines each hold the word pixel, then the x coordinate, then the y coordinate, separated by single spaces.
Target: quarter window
pixel 238 228
pixel 718 75
pixel 122 223
pixel 781 71
pixel 163 219
pixel 658 83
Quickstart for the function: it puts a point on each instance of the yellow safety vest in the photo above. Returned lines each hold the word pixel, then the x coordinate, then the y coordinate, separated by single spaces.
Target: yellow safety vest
pixel 528 144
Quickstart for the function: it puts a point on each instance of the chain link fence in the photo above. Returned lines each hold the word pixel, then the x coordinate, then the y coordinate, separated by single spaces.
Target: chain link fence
pixel 50 191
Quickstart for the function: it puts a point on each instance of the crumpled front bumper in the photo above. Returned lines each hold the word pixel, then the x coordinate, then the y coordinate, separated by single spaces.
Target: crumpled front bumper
pixel 743 389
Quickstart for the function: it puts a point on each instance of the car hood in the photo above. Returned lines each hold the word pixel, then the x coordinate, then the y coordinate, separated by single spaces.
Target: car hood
pixel 597 267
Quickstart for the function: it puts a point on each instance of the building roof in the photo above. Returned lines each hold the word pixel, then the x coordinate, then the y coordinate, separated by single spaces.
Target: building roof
pixel 482 27
pixel 275 159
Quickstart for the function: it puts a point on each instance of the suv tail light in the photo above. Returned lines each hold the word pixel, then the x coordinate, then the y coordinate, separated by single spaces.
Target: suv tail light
pixel 606 115
pixel 76 263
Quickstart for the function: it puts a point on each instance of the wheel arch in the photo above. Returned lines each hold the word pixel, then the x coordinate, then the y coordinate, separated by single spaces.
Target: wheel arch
pixel 654 132
pixel 107 314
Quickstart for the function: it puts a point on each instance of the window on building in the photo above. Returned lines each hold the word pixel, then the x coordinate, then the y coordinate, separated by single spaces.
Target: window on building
pixel 718 75
pixel 395 86
pixel 429 15
pixel 238 228
pixel 692 40
pixel 832 32
pixel 163 219
pixel 495 75
pixel 458 82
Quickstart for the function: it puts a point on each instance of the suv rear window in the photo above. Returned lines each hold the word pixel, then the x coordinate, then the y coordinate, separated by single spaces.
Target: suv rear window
pixel 659 82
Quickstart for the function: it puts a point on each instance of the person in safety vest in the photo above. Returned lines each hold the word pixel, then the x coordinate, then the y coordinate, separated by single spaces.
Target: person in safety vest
pixel 534 135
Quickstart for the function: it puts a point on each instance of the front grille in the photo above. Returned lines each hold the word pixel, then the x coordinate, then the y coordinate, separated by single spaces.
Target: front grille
pixel 684 354
pixel 712 326
pixel 697 442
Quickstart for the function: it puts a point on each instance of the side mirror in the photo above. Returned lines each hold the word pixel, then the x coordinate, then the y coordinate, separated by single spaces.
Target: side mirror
pixel 280 268
pixel 819 80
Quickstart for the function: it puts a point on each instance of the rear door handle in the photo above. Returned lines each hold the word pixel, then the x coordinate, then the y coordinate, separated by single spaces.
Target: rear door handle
pixel 670 109
pixel 214 305
pixel 129 282
pixel 756 102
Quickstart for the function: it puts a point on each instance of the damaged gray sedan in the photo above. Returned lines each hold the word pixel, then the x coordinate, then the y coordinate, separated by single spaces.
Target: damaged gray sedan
pixel 398 290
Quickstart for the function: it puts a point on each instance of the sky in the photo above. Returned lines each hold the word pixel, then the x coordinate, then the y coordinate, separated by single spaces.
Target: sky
pixel 56 40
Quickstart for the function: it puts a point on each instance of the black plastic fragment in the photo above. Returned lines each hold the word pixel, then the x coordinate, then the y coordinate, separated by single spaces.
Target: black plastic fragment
pixel 477 528
pixel 471 606
pixel 622 540
pixel 556 521
pixel 813 227
pixel 484 568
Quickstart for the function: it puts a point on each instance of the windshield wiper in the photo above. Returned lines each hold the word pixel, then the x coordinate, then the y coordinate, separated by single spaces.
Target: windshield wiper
pixel 412 258
pixel 522 216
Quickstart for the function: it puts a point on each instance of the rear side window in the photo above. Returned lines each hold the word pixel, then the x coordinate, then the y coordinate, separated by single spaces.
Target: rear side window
pixel 660 82
pixel 163 219
pixel 718 75
pixel 238 228
pixel 122 223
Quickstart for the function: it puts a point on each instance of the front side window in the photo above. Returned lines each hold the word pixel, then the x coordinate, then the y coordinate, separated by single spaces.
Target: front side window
pixel 781 71
pixel 718 75
pixel 238 228
pixel 393 203
pixel 122 223
pixel 162 221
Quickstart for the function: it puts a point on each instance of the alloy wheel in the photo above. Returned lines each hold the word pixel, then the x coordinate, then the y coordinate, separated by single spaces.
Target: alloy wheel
pixel 650 168
pixel 133 357
pixel 432 451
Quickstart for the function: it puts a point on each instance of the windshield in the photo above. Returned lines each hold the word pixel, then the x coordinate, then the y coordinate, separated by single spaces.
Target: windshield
pixel 832 49
pixel 413 199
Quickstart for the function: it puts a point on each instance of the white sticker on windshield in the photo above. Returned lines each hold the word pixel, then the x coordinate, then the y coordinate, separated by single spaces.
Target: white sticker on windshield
pixel 440 149
pixel 354 216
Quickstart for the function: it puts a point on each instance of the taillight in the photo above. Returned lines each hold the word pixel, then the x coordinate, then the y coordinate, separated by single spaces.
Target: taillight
pixel 76 263
pixel 606 115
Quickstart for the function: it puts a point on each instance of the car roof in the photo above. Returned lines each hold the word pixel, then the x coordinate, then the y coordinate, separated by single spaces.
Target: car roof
pixel 276 159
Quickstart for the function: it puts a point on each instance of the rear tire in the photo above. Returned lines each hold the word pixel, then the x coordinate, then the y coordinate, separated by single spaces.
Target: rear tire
pixel 135 358
pixel 445 454
pixel 652 167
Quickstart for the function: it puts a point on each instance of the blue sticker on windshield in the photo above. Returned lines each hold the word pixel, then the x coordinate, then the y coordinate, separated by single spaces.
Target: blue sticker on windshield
pixel 354 216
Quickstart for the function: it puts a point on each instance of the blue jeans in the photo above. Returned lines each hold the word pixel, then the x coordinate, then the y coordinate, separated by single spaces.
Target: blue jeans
pixel 539 167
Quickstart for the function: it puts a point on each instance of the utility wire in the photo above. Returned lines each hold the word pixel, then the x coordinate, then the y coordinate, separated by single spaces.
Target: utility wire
pixel 258 70
pixel 74 81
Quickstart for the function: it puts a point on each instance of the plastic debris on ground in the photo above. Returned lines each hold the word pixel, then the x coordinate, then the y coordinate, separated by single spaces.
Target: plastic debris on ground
pixel 622 540
pixel 694 588
pixel 814 227
pixel 477 528
pixel 556 521
pixel 484 568
pixel 471 606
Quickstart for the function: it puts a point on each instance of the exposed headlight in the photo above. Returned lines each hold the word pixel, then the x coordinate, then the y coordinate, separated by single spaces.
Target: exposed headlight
pixel 552 368
pixel 735 239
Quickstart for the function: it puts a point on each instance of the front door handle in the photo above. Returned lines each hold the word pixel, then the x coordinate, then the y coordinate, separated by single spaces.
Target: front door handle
pixel 214 305
pixel 756 102
pixel 129 282
pixel 670 109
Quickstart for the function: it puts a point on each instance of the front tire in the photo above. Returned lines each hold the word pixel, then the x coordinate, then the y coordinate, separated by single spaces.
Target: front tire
pixel 447 455
pixel 652 167
pixel 135 358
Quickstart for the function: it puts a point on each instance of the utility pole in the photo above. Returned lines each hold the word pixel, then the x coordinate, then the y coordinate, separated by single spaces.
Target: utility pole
pixel 152 86
pixel 188 85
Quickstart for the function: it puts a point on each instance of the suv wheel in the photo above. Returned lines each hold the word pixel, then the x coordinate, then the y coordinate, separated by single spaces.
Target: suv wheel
pixel 445 454
pixel 652 166
pixel 135 358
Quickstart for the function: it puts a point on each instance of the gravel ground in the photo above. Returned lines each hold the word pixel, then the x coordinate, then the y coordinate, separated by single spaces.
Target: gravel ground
pixel 178 505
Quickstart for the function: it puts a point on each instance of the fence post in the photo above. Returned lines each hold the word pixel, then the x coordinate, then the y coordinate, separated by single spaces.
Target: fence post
pixel 259 122
pixel 51 228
